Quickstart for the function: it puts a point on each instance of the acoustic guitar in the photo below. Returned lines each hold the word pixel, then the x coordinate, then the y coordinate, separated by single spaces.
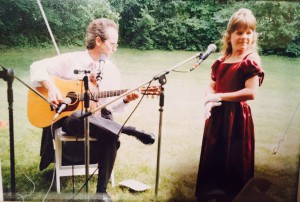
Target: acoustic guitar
pixel 40 113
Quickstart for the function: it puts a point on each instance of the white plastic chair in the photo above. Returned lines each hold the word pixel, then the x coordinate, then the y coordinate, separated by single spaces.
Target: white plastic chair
pixel 66 170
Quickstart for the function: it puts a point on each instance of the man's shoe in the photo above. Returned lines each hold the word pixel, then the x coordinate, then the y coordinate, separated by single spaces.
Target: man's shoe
pixel 102 197
pixel 146 138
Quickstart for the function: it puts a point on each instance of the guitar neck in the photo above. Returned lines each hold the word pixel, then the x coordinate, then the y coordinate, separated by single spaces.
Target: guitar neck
pixel 103 94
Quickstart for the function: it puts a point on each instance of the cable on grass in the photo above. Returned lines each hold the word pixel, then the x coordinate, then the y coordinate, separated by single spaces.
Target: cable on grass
pixel 52 181
pixel 32 191
pixel 276 148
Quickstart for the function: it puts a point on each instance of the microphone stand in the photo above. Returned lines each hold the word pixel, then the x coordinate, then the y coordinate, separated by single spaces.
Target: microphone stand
pixel 8 76
pixel 162 80
pixel 86 132
pixel 161 77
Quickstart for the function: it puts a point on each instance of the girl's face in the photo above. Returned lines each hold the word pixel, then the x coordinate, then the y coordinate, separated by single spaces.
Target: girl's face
pixel 242 39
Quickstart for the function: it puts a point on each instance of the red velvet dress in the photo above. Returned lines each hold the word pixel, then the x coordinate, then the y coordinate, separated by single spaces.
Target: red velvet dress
pixel 227 154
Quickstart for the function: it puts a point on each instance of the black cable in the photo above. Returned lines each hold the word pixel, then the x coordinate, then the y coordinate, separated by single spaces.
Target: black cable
pixel 83 185
pixel 134 108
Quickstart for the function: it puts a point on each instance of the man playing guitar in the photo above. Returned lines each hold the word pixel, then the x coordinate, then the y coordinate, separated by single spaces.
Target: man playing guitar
pixel 101 40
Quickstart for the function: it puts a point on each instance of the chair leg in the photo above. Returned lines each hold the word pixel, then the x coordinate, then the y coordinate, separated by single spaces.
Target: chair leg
pixel 112 178
pixel 57 183
pixel 57 162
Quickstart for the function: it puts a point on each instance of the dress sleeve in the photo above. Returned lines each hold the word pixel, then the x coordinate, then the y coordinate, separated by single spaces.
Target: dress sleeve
pixel 251 68
pixel 214 69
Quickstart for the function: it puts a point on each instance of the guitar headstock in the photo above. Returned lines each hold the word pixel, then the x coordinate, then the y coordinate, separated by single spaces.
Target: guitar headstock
pixel 151 90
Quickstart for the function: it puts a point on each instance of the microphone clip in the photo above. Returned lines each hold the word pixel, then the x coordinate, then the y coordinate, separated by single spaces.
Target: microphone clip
pixel 99 75
pixel 200 55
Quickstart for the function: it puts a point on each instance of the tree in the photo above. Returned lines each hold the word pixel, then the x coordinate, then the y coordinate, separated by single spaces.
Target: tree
pixel 68 20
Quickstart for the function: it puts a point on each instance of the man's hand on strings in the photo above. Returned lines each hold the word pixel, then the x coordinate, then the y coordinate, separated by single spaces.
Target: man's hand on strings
pixel 130 97
pixel 93 79
pixel 54 95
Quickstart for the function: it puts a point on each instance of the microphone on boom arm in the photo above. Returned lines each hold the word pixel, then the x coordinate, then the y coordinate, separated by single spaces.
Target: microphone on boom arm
pixel 98 69
pixel 71 98
pixel 210 49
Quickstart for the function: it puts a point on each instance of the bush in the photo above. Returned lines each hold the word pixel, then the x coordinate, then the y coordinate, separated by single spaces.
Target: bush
pixel 192 25
pixel 167 25
pixel 278 26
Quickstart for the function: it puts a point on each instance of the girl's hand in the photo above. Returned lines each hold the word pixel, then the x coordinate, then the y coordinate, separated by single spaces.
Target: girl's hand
pixel 212 98
pixel 208 106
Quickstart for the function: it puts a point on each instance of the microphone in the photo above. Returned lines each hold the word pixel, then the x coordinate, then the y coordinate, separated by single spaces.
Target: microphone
pixel 102 59
pixel 76 71
pixel 100 67
pixel 70 99
pixel 210 49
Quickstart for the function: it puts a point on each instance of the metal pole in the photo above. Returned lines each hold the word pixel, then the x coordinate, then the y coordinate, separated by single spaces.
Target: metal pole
pixel 86 133
pixel 161 104
pixel 48 26
pixel 8 76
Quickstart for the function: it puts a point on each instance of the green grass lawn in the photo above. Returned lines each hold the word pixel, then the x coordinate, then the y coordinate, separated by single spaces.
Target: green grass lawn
pixel 182 128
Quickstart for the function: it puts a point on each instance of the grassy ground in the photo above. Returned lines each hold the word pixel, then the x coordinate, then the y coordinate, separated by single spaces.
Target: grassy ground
pixel 182 128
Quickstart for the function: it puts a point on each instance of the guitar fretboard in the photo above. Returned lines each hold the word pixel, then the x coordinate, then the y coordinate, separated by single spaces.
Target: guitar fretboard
pixel 103 94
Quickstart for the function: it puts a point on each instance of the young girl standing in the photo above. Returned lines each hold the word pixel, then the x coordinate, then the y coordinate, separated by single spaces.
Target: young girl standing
pixel 227 154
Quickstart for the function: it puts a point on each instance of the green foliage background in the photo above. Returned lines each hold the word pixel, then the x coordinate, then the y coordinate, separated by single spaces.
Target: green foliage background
pixel 146 25
pixel 22 23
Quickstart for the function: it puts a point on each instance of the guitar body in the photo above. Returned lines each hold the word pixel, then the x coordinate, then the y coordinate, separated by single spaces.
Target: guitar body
pixel 39 111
